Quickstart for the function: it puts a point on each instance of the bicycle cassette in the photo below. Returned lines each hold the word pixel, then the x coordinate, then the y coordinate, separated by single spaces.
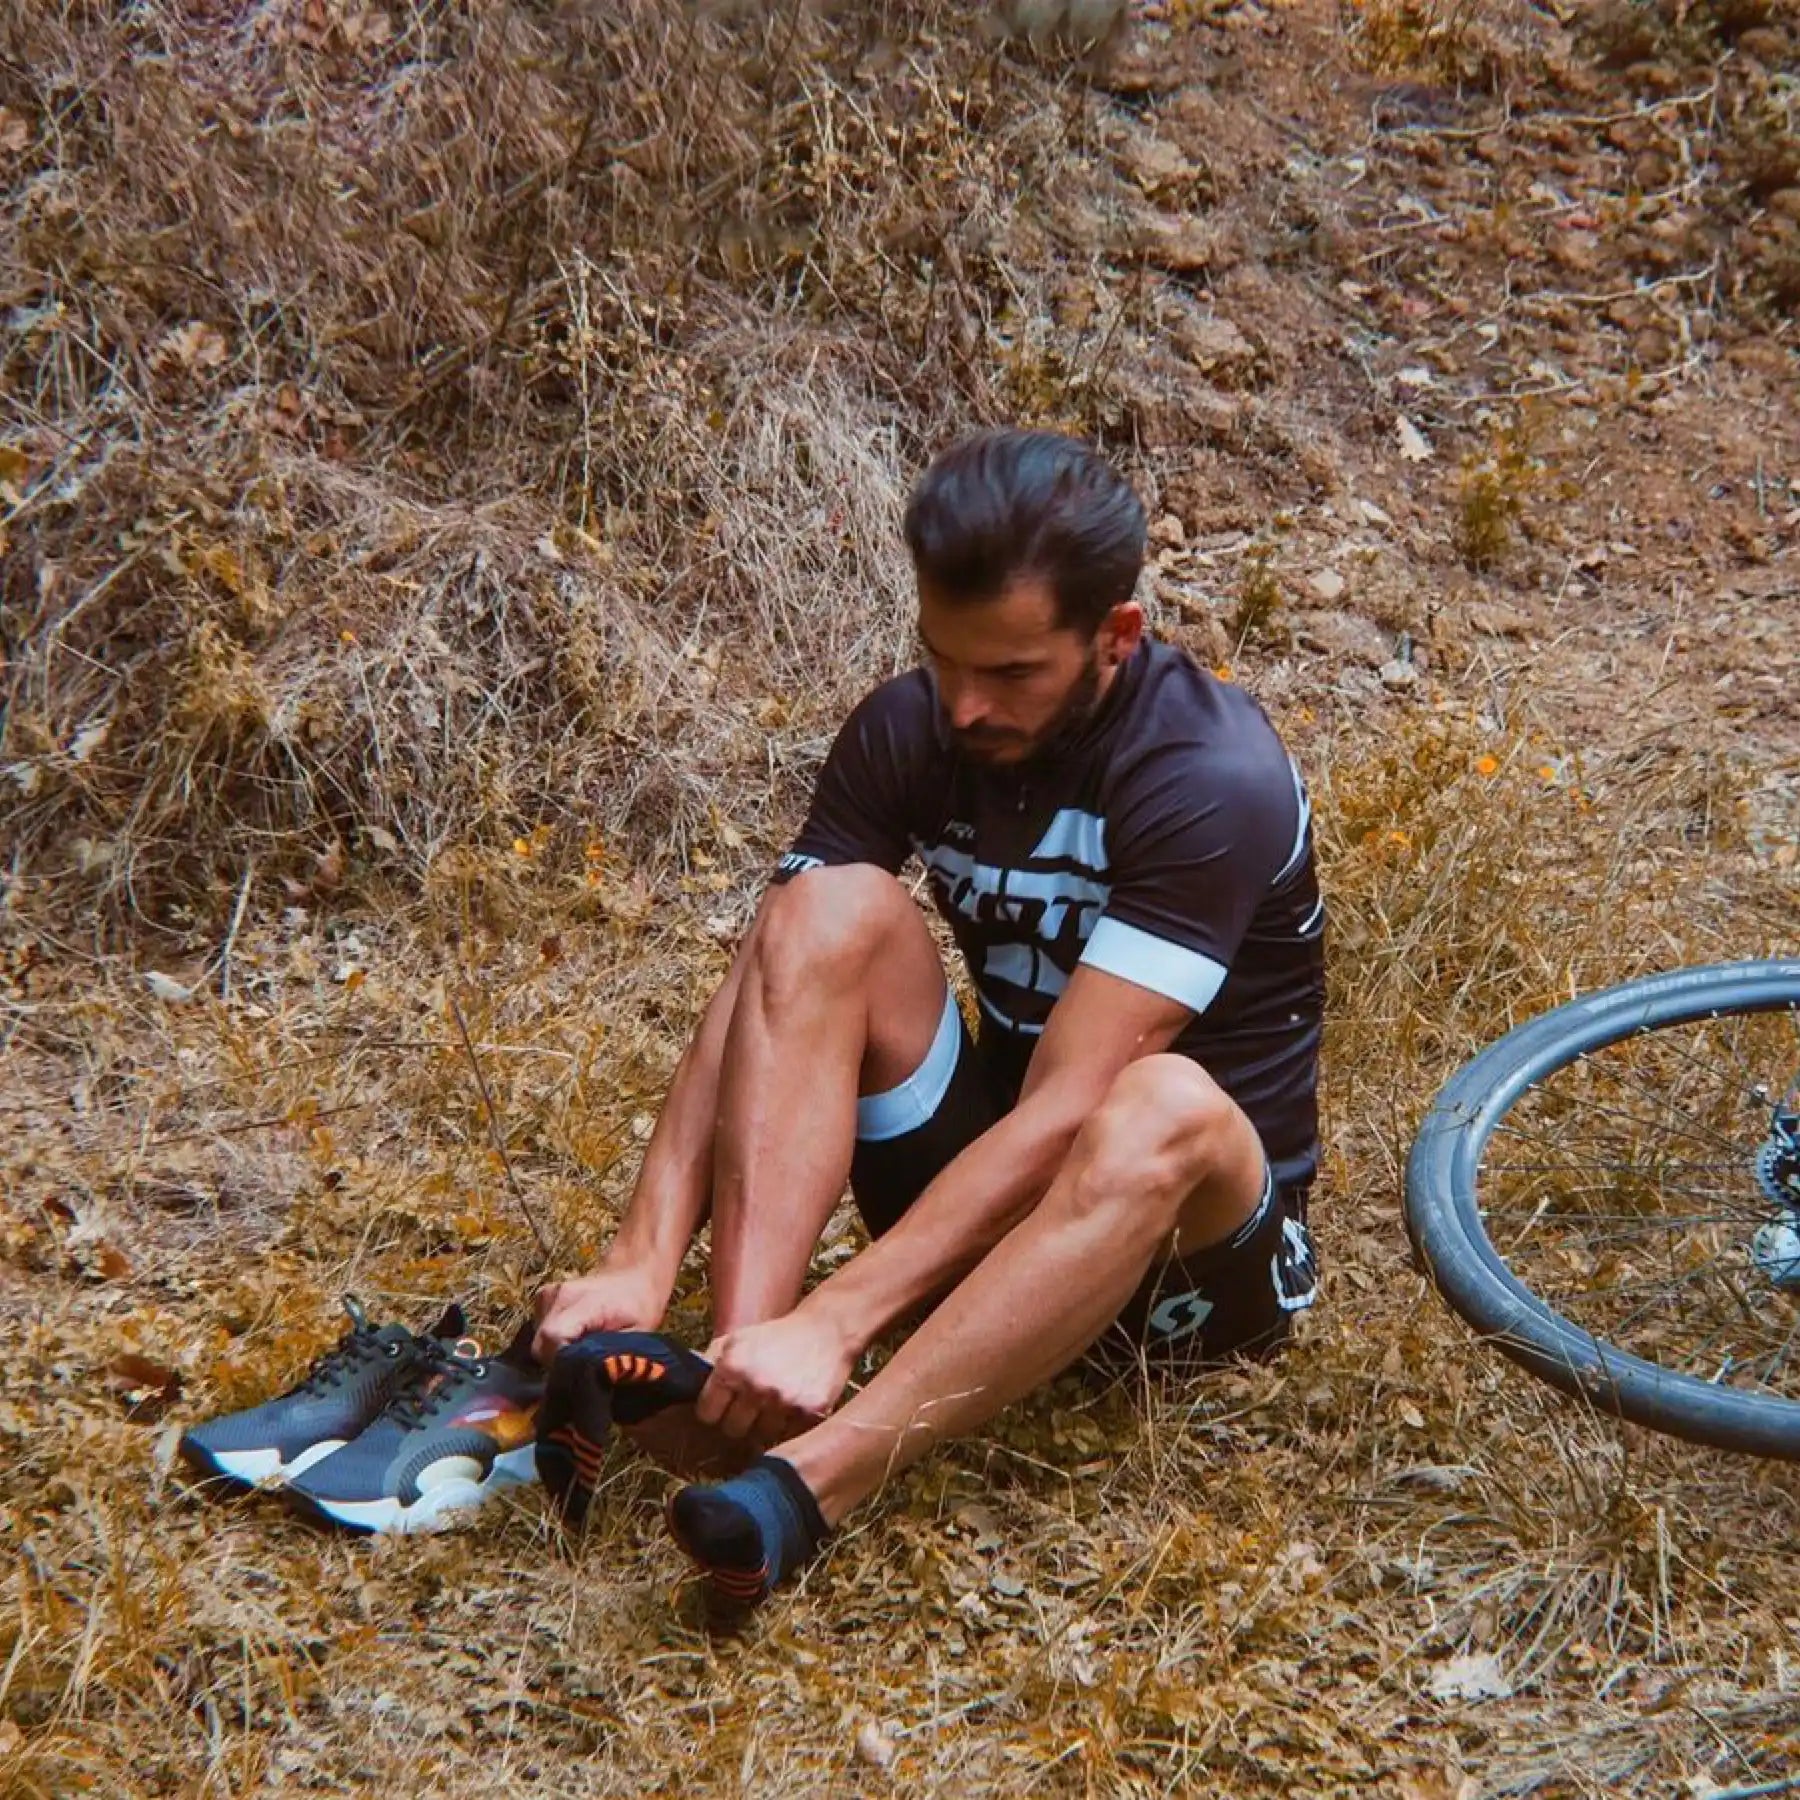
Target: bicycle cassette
pixel 1776 1252
pixel 1777 1168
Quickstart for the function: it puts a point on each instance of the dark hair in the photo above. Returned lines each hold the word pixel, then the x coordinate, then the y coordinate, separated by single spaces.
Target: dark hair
pixel 1008 505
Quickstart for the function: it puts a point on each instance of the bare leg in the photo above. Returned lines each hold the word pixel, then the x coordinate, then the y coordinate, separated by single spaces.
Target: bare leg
pixel 840 994
pixel 1167 1154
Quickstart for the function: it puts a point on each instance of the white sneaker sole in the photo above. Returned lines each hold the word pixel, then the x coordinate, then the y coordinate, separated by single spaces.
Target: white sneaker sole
pixel 437 1507
pixel 254 1467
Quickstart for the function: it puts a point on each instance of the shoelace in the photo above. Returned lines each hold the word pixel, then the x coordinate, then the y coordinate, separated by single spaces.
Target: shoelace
pixel 422 1394
pixel 361 1345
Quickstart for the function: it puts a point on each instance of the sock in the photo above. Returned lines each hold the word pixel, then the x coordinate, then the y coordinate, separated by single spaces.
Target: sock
pixel 601 1377
pixel 751 1532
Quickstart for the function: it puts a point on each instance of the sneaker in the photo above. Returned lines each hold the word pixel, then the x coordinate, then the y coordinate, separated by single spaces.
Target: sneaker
pixel 342 1392
pixel 461 1428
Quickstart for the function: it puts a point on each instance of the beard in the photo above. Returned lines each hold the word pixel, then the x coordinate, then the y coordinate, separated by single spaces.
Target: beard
pixel 1000 744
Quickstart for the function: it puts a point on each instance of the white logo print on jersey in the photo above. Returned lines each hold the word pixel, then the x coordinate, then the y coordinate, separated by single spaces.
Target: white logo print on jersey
pixel 1057 907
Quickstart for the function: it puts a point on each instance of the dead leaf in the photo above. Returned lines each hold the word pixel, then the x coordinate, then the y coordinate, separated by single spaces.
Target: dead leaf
pixel 1474 1677
pixel 166 987
pixel 874 1746
pixel 1410 1415
pixel 1414 446
pixel 15 134
pixel 1435 1784
pixel 1438 1478
pixel 195 345
pixel 370 28
pixel 1302 1563
pixel 112 1262
pixel 1498 621
pixel 982 1523
pixel 147 1387
pixel 88 739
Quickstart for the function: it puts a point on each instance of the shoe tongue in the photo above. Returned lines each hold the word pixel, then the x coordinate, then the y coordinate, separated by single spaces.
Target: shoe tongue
pixel 518 1352
pixel 451 1324
pixel 359 1319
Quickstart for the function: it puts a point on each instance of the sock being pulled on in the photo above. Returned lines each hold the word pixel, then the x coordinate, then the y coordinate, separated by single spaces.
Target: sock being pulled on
pixel 751 1532
pixel 603 1378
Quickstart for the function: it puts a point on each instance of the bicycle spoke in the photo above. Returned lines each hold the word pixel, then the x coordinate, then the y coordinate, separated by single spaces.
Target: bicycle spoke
pixel 1751 1083
pixel 1637 1221
pixel 1736 1166
pixel 1780 1355
pixel 1703 1134
pixel 1631 1169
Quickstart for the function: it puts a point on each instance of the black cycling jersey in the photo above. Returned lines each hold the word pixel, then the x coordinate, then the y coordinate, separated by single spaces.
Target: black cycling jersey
pixel 1166 840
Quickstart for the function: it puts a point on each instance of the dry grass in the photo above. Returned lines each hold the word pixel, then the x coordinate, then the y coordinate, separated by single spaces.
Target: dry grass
pixel 450 473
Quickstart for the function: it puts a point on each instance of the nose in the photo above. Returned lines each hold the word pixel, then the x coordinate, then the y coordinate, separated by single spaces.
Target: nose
pixel 966 705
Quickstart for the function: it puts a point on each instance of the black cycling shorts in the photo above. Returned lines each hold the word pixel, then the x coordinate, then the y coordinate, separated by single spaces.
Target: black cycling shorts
pixel 1237 1298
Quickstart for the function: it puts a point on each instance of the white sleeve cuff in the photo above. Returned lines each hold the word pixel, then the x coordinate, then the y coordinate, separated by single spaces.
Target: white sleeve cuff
pixel 1154 963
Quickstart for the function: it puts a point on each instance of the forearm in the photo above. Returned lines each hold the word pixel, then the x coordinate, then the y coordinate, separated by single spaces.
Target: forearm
pixel 961 1216
pixel 674 1186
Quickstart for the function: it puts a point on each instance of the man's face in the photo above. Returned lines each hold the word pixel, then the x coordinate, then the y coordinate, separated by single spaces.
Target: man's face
pixel 1010 679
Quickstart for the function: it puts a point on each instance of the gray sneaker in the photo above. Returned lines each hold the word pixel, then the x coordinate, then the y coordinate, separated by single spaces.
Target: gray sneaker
pixel 460 1430
pixel 344 1390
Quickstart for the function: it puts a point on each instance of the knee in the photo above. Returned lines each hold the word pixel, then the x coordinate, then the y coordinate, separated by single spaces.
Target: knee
pixel 1160 1132
pixel 824 928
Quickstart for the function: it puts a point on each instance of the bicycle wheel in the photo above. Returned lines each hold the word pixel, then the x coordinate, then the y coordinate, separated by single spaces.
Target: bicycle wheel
pixel 1611 1192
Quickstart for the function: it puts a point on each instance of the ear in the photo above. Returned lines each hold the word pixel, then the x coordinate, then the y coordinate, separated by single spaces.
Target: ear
pixel 1120 632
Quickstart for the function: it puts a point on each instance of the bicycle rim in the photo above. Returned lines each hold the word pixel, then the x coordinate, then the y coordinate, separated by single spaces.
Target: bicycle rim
pixel 1585 1193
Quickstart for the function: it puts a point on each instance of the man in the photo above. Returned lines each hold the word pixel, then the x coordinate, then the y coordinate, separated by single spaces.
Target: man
pixel 1121 847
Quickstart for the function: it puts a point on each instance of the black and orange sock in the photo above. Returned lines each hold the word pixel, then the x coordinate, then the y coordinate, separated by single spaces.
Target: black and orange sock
pixel 601 1378
pixel 751 1532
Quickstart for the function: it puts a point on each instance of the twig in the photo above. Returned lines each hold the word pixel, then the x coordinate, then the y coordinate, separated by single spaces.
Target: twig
pixel 1595 121
pixel 268 1124
pixel 493 1120
pixel 1787 1785
pixel 1692 278
pixel 237 919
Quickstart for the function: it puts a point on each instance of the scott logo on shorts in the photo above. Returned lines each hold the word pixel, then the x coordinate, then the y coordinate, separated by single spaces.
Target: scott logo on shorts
pixel 1293 1268
pixel 1180 1315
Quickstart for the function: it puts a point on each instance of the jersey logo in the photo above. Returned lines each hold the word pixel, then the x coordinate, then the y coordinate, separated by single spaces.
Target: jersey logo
pixel 1044 915
pixel 1181 1315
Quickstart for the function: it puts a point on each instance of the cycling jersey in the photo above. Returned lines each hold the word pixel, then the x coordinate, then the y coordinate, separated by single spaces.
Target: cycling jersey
pixel 1166 840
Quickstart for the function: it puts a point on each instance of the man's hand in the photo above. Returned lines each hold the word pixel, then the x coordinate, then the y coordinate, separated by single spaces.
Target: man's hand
pixel 610 1299
pixel 773 1381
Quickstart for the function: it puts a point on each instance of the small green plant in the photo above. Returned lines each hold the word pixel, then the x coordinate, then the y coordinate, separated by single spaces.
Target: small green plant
pixel 1492 495
pixel 1778 277
pixel 1432 38
pixel 1258 611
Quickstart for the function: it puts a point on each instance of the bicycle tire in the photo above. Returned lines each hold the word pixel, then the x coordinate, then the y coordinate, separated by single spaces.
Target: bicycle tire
pixel 1444 1219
